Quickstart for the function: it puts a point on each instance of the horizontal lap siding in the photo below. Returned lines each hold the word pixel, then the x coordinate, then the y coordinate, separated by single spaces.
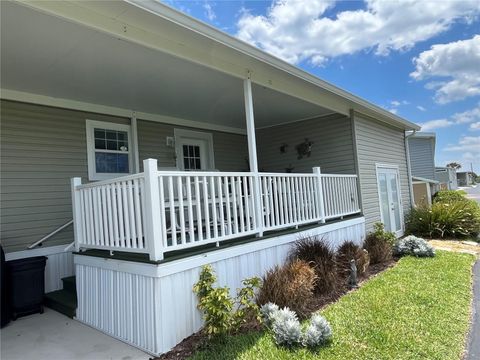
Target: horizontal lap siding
pixel 422 157
pixel 230 150
pixel 332 147
pixel 41 149
pixel 379 143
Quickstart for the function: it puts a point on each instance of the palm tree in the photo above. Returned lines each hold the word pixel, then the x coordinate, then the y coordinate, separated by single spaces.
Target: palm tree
pixel 454 165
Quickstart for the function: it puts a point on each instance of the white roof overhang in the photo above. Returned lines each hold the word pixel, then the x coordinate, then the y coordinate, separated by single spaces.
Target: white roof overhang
pixel 171 64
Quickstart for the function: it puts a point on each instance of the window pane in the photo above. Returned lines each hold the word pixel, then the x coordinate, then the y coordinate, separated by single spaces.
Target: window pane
pixel 123 146
pixel 197 151
pixel 197 164
pixel 111 163
pixel 186 164
pixel 112 145
pixel 111 135
pixel 100 133
pixel 99 144
pixel 121 135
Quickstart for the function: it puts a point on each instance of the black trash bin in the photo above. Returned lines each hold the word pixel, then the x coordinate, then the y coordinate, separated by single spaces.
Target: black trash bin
pixel 26 285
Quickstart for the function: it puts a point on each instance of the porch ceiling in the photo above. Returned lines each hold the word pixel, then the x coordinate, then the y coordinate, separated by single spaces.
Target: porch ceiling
pixel 50 56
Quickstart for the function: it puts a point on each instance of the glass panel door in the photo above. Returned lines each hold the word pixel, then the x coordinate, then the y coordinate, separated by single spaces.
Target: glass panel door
pixel 389 193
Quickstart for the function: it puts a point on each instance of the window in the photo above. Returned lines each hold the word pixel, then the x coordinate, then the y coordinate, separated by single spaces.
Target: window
pixel 191 157
pixel 109 150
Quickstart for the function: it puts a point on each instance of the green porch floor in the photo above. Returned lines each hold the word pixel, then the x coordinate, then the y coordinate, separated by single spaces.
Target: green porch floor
pixel 198 250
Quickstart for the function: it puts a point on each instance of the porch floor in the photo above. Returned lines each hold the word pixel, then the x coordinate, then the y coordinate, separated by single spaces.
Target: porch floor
pixel 181 254
pixel 52 335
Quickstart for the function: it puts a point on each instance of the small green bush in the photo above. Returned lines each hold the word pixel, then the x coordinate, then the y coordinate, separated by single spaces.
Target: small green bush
pixel 291 285
pixel 379 244
pixel 448 196
pixel 457 219
pixel 218 307
pixel 315 250
pixel 415 246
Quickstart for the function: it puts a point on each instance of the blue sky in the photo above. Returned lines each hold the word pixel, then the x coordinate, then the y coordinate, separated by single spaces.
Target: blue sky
pixel 419 59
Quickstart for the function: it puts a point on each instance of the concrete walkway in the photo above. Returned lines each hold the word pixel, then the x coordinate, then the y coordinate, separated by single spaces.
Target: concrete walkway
pixel 54 336
pixel 473 350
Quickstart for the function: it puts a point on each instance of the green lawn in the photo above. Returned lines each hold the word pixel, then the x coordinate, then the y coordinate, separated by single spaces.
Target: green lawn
pixel 420 309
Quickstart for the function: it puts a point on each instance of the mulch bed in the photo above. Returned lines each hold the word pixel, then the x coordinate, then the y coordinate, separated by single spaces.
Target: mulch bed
pixel 199 340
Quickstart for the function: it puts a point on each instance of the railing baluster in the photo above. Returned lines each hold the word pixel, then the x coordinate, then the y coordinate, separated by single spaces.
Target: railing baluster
pixel 240 205
pixel 199 210
pixel 131 213
pixel 191 223
pixel 173 218
pixel 227 205
pixel 108 202
pixel 214 206
pixel 206 208
pixel 253 202
pixel 246 198
pixel 220 206
pixel 281 192
pixel 234 204
pixel 138 212
pixel 181 210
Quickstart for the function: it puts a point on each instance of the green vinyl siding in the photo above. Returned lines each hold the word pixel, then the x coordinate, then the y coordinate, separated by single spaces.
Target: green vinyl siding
pixel 379 143
pixel 332 147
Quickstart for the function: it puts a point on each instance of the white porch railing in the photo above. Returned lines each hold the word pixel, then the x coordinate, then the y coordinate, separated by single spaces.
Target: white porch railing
pixel 157 211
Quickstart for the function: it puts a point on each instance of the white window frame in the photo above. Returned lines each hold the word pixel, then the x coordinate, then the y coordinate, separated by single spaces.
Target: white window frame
pixel 90 128
pixel 201 135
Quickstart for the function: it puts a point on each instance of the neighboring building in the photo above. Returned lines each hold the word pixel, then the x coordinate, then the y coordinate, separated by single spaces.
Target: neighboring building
pixel 466 178
pixel 421 148
pixel 446 177
pixel 148 128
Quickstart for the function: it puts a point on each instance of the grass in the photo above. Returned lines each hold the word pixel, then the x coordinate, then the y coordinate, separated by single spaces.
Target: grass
pixel 420 309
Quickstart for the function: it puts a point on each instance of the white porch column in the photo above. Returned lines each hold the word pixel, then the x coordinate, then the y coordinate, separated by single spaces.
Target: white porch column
pixel 321 206
pixel 152 216
pixel 252 152
pixel 134 152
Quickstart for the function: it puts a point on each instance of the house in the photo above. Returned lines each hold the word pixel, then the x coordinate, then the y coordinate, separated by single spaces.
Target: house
pixel 447 178
pixel 466 178
pixel 168 145
pixel 421 149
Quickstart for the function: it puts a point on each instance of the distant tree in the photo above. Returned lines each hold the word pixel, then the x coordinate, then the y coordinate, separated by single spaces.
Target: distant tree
pixel 454 165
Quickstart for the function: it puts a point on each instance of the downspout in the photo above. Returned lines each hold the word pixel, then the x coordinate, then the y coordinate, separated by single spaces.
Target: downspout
pixel 409 169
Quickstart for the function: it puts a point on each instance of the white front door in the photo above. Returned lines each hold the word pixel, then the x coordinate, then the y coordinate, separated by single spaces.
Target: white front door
pixel 390 199
pixel 194 150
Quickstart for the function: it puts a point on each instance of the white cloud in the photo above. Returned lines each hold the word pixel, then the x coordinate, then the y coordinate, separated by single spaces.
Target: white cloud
pixel 467 151
pixel 456 63
pixel 297 30
pixel 456 119
pixel 475 126
pixel 421 108
pixel 467 116
pixel 395 103
pixel 209 13
pixel 436 124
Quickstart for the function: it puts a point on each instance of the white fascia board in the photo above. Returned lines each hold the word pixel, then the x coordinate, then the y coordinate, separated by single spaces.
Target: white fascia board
pixel 116 20
pixel 13 95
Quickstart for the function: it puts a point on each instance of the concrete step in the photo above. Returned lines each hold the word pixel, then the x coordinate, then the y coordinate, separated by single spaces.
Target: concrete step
pixel 70 284
pixel 63 301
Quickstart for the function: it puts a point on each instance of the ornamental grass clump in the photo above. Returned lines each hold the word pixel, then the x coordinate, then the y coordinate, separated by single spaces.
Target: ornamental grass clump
pixel 456 219
pixel 315 251
pixel 350 251
pixel 379 244
pixel 291 285
pixel 415 246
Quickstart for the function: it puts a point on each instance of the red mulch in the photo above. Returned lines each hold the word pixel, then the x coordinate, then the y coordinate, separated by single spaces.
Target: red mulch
pixel 194 342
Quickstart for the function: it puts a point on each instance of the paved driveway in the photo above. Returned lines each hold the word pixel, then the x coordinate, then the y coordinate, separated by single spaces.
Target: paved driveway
pixel 473 192
pixel 54 336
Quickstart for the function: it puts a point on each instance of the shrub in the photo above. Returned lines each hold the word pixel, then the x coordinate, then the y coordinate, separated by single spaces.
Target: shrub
pixel 379 244
pixel 317 333
pixel 456 219
pixel 412 245
pixel 348 251
pixel 291 285
pixel 448 196
pixel 314 250
pixel 218 307
pixel 286 328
